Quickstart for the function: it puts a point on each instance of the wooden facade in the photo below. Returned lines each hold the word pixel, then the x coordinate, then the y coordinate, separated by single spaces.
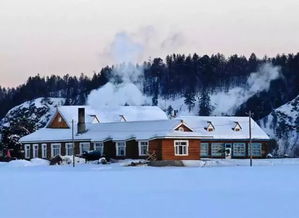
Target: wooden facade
pixel 58 122
pixel 164 149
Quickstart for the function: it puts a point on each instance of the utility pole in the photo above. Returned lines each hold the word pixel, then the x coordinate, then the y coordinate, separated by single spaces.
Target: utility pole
pixel 250 139
pixel 73 143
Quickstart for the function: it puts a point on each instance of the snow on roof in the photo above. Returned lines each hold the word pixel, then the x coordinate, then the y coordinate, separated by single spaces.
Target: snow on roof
pixel 146 130
pixel 224 127
pixel 112 114
pixel 139 130
pixel 131 113
pixel 70 113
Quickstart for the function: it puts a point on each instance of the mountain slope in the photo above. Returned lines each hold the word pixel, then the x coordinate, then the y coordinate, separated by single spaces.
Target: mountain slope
pixel 283 125
pixel 37 111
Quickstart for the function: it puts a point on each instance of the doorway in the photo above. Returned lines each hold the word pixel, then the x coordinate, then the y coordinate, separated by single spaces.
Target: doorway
pixel 228 150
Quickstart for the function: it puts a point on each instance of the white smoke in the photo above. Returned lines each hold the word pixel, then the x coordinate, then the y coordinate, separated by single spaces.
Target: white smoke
pixel 126 79
pixel 127 49
pixel 114 95
pixel 124 49
pixel 228 102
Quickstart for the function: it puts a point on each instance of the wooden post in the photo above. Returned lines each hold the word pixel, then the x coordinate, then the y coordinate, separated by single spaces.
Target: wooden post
pixel 250 138
pixel 73 142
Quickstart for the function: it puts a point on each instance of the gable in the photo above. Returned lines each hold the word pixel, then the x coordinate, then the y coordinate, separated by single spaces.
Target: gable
pixel 210 127
pixel 182 127
pixel 58 122
pixel 237 127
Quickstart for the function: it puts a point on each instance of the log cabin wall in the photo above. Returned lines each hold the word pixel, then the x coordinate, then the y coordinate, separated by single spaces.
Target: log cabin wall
pixel 109 149
pixel 58 122
pixel 168 150
pixel 155 146
pixel 132 150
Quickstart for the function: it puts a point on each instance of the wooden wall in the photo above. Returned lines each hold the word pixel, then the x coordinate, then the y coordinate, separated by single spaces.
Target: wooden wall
pixel 56 124
pixel 131 150
pixel 169 154
pixel 164 149
pixel 155 146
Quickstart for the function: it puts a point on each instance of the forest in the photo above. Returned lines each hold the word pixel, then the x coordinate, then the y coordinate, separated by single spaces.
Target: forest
pixel 176 75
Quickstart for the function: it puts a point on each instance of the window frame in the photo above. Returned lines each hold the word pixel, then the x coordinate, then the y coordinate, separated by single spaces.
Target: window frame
pixel 117 146
pixel 27 151
pixel 52 149
pixel 175 147
pixel 81 144
pixel 206 144
pixel 102 146
pixel 139 147
pixel 44 149
pixel 222 154
pixel 244 147
pixel 253 154
pixel 67 150
pixel 35 149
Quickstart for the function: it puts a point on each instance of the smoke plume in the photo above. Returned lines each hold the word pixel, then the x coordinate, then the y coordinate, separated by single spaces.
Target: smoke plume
pixel 127 49
pixel 228 102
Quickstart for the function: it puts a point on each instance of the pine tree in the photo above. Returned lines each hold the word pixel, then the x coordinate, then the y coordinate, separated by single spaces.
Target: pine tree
pixel 189 100
pixel 205 108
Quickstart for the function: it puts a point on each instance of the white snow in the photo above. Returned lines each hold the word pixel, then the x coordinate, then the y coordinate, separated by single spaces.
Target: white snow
pixel 111 114
pixel 224 127
pixel 288 113
pixel 26 163
pixel 30 108
pixel 147 130
pixel 113 191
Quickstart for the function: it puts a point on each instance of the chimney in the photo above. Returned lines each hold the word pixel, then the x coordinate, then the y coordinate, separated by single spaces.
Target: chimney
pixel 81 120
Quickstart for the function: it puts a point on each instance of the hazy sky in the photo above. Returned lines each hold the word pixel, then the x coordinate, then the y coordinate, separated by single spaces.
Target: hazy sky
pixel 74 36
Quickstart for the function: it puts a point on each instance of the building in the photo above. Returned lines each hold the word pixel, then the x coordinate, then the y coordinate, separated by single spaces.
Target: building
pixel 184 138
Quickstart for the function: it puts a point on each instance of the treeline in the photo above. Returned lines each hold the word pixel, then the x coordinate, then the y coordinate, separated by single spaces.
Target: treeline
pixel 74 89
pixel 177 75
pixel 188 75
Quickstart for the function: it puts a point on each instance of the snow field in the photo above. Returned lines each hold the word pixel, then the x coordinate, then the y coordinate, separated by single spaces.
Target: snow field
pixel 113 190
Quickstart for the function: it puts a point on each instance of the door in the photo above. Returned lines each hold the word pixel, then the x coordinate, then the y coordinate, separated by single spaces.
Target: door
pixel 228 150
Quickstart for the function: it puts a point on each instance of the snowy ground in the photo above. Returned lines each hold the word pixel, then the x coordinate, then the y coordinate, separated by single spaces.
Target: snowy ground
pixel 89 190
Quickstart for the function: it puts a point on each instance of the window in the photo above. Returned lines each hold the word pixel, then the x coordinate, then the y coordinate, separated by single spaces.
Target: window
pixel 27 151
pixel 217 149
pixel 55 149
pixel 181 147
pixel 99 146
pixel 35 151
pixel 237 127
pixel 204 149
pixel 68 148
pixel 181 129
pixel 59 119
pixel 143 148
pixel 121 148
pixel 44 150
pixel 239 150
pixel 256 149
pixel 84 146
pixel 210 127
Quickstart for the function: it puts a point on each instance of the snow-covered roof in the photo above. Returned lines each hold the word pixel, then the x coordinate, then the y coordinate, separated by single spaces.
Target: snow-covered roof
pixel 111 114
pixel 146 130
pixel 224 127
pixel 137 130
pixel 130 113
pixel 70 113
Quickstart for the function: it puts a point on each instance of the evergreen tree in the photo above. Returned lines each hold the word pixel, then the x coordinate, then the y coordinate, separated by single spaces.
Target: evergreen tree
pixel 205 108
pixel 189 100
